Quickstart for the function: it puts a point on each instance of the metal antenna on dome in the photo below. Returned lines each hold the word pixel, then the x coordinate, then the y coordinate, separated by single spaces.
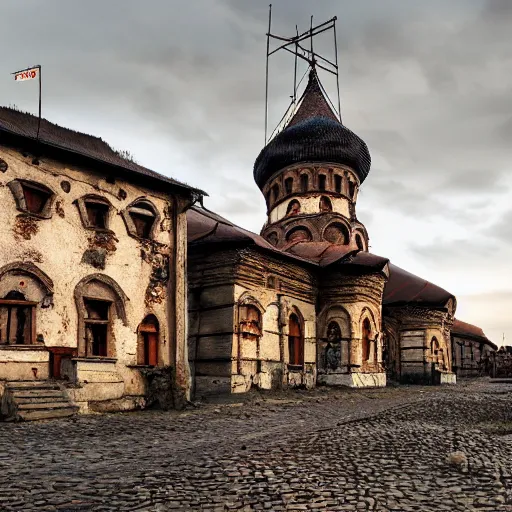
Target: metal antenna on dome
pixel 296 46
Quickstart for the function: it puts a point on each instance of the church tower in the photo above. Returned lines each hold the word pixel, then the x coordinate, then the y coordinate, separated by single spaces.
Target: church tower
pixel 310 174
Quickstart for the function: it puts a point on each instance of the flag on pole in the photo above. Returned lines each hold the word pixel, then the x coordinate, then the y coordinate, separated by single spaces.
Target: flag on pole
pixel 26 74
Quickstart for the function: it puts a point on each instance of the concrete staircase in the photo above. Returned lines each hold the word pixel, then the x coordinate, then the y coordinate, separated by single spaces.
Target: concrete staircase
pixel 35 400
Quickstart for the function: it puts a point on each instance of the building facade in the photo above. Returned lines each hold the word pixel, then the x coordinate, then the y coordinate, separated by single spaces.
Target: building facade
pixel 92 266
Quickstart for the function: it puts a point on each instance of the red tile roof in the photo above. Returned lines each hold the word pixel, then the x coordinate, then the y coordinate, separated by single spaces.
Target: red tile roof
pixel 205 227
pixel 403 287
pixel 25 125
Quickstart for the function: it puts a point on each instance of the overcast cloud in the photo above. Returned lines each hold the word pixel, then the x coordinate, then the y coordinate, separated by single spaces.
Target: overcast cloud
pixel 181 86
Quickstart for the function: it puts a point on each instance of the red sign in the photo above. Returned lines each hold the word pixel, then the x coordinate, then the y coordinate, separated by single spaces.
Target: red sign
pixel 28 74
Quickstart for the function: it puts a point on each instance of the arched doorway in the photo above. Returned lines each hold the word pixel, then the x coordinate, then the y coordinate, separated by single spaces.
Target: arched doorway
pixel 149 335
pixel 365 341
pixel 295 341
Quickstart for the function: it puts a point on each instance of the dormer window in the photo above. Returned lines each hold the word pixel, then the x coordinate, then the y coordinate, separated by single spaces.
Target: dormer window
pixel 94 212
pixel 32 198
pixel 141 218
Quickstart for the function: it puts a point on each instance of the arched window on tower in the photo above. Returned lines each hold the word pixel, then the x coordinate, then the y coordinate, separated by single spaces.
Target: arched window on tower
pixel 293 208
pixel 325 204
pixel 275 192
pixel 352 189
pixel 338 183
pixel 322 181
pixel 365 341
pixel 304 182
pixel 288 185
pixel 359 242
pixel 295 340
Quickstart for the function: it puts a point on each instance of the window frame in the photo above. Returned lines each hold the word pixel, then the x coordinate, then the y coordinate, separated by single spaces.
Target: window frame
pixel 150 211
pixel 84 215
pixel 32 319
pixel 94 321
pixel 17 188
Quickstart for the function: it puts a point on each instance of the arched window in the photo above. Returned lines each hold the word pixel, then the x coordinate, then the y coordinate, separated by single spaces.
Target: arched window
pixel 367 329
pixel 352 189
pixel 325 204
pixel 338 183
pixel 304 182
pixel 298 234
pixel 295 341
pixel 359 242
pixel 100 301
pixel 322 180
pixel 293 208
pixel 332 354
pixel 275 192
pixel 141 219
pixel 24 291
pixel 148 337
pixel 288 185
pixel 250 322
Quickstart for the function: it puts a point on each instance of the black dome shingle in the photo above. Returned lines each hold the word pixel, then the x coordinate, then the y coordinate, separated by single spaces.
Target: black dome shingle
pixel 317 139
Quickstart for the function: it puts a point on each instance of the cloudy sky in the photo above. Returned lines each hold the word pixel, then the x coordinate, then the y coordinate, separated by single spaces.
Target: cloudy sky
pixel 181 86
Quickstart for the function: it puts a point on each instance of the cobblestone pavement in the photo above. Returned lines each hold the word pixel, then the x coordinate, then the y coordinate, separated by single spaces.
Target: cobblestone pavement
pixel 378 450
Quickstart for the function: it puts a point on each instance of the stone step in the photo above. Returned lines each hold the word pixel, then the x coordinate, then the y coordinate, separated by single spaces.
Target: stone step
pixel 44 405
pixel 20 394
pixel 46 414
pixel 42 399
pixel 31 384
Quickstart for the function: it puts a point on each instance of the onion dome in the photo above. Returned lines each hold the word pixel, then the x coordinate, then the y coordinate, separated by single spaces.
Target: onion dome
pixel 314 134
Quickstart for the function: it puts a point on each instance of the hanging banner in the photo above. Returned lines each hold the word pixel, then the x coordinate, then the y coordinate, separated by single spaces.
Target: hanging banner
pixel 27 74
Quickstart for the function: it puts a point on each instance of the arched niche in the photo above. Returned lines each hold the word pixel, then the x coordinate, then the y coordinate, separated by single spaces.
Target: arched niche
pixel 336 233
pixel 148 341
pixel 325 205
pixel 293 208
pixel 299 234
pixel 99 301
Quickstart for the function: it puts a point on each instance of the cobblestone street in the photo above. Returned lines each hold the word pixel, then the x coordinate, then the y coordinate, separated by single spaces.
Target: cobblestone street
pixel 383 450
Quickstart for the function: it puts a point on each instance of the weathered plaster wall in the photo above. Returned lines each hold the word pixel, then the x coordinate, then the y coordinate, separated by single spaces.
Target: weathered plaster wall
pixel 57 246
pixel 263 362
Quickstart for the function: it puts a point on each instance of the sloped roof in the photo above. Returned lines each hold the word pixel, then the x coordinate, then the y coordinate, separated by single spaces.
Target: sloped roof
pixel 25 125
pixel 403 287
pixel 205 227
pixel 471 331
